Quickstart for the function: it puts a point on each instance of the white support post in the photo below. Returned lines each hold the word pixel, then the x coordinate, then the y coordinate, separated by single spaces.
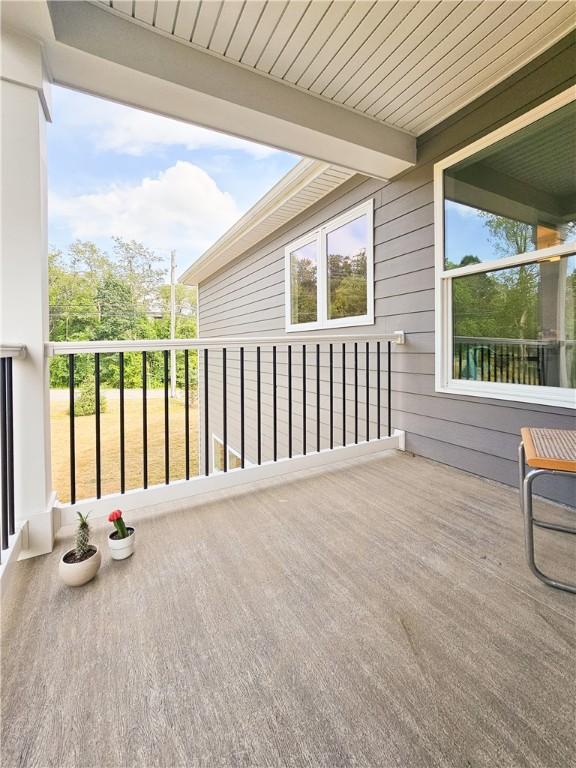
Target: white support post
pixel 24 279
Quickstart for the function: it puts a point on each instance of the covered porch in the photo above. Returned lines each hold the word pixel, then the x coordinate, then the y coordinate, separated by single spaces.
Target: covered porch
pixel 373 608
pixel 379 612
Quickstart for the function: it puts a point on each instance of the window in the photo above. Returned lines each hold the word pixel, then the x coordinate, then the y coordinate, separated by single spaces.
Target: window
pixel 329 274
pixel 304 283
pixel 234 459
pixel 506 261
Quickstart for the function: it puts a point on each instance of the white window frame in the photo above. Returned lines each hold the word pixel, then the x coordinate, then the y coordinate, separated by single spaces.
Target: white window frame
pixel 319 237
pixel 557 396
pixel 217 439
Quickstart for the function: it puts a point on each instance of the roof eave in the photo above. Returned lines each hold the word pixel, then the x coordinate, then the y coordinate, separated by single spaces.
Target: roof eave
pixel 252 227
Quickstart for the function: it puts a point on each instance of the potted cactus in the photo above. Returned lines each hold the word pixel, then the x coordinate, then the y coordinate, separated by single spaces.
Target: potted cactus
pixel 81 564
pixel 121 540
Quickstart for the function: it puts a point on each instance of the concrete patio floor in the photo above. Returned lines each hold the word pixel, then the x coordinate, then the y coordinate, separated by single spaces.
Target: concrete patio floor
pixel 379 613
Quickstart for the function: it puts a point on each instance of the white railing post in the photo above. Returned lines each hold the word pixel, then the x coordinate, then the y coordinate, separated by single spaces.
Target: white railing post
pixel 24 278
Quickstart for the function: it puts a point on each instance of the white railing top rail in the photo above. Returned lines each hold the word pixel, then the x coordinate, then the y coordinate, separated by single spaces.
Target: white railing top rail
pixel 12 350
pixel 512 342
pixel 160 345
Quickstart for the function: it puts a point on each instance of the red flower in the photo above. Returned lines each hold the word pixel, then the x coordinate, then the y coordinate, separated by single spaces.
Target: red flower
pixel 115 515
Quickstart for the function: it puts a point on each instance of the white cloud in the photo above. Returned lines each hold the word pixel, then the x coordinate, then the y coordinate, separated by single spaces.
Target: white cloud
pixel 181 208
pixel 125 130
pixel 464 211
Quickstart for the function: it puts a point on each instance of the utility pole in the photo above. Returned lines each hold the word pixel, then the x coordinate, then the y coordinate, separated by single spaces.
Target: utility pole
pixel 173 322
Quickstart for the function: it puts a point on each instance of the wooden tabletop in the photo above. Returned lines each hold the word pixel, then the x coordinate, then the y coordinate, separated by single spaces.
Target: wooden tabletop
pixel 550 448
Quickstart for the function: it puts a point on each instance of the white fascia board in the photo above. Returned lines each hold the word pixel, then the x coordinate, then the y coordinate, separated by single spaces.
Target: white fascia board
pixel 101 53
pixel 289 185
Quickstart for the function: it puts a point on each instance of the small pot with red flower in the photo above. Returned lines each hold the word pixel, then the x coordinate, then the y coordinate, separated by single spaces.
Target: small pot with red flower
pixel 122 539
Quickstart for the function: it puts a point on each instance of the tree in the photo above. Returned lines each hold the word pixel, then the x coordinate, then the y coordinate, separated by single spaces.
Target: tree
pixel 507 235
pixel 469 259
pixel 116 308
pixel 95 296
pixel 86 403
pixel 90 264
pixel 186 302
pixel 473 298
pixel 73 309
pixel 347 285
pixel 303 290
pixel 138 267
pixel 516 307
pixel 349 297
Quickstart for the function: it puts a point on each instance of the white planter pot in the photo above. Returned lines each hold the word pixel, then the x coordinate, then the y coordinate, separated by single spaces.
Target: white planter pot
pixel 76 574
pixel 120 549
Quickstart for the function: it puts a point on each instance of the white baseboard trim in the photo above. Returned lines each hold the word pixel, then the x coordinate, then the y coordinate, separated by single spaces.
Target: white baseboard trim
pixel 182 489
pixel 11 555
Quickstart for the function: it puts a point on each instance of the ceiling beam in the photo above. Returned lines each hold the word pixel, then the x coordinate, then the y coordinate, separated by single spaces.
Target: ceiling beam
pixel 116 58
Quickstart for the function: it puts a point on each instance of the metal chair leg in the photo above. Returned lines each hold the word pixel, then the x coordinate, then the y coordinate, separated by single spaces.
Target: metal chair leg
pixel 522 473
pixel 527 483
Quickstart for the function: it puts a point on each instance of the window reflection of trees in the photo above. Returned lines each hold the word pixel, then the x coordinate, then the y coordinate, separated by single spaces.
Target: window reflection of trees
pixel 303 290
pixel 347 281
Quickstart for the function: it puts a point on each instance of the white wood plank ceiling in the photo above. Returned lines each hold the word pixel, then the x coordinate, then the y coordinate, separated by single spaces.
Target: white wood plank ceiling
pixel 408 64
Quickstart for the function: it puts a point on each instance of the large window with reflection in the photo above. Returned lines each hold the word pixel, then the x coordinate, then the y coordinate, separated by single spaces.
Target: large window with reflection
pixel 329 274
pixel 506 264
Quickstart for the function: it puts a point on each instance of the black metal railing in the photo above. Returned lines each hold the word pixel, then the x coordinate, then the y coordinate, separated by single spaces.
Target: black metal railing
pixel 513 361
pixel 117 363
pixel 266 400
pixel 7 512
pixel 304 379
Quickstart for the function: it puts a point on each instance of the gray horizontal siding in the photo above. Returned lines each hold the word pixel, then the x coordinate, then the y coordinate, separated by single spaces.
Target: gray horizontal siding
pixel 247 297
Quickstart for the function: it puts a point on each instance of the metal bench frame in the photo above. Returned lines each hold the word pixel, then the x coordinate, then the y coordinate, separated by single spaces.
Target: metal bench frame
pixel 526 483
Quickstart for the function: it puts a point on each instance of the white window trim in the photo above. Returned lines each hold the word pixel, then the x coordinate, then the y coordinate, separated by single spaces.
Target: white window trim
pixel 555 396
pixel 318 236
pixel 217 439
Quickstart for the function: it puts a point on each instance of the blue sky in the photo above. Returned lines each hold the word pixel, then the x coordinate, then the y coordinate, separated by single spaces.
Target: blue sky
pixel 466 234
pixel 115 170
